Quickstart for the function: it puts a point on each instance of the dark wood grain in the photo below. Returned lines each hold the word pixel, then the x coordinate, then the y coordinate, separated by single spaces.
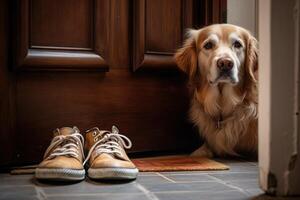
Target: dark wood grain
pixel 61 23
pixel 149 108
pixel 163 25
pixel 7 112
pixel 158 30
pixel 158 62
pixel 50 60
pixel 120 37
pixel 210 12
pixel 42 26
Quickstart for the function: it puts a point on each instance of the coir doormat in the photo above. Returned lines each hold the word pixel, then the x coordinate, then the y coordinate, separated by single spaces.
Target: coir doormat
pixel 177 163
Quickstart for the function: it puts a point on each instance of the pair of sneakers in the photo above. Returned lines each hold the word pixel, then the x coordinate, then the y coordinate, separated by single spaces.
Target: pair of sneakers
pixel 64 158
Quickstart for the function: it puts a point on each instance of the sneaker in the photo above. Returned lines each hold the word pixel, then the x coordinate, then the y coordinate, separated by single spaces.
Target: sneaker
pixel 63 158
pixel 107 157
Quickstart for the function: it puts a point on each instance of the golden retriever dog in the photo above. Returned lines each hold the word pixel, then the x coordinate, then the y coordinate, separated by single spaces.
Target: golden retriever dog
pixel 222 64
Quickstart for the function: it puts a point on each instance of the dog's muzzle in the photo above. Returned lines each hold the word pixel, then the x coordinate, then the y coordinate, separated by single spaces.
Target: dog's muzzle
pixel 225 66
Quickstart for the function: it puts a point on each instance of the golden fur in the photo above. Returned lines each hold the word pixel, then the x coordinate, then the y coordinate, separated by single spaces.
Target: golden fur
pixel 226 114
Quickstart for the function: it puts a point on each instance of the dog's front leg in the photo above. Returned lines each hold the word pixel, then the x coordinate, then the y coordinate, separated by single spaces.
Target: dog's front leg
pixel 203 151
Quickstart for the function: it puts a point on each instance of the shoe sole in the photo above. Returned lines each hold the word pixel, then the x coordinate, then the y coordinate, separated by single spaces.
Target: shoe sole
pixel 59 174
pixel 113 173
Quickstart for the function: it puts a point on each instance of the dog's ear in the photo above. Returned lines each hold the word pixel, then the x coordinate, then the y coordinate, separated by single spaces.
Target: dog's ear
pixel 251 59
pixel 186 57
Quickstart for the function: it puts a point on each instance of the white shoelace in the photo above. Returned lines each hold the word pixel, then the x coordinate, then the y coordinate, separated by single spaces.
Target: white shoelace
pixel 73 144
pixel 110 142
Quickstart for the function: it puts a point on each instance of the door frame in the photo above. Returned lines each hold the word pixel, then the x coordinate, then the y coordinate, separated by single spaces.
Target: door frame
pixel 279 136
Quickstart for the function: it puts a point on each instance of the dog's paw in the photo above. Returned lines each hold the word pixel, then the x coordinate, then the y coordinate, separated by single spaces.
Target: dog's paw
pixel 203 151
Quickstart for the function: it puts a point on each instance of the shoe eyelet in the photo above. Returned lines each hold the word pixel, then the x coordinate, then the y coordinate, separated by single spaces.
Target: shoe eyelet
pixel 94 133
pixel 95 139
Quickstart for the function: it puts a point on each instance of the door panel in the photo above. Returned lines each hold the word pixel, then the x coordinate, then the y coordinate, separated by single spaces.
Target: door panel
pixel 52 24
pixel 163 26
pixel 62 77
pixel 158 31
pixel 61 35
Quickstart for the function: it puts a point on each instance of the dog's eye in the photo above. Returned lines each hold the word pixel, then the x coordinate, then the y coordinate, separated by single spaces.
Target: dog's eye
pixel 237 44
pixel 208 45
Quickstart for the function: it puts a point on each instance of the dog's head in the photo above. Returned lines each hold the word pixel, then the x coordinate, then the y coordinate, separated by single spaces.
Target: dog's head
pixel 220 53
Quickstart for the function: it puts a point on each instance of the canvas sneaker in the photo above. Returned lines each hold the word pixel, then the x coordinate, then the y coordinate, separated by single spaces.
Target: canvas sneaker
pixel 63 159
pixel 107 158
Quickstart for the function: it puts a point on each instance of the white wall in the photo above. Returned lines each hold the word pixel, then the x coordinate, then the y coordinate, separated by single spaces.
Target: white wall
pixel 243 13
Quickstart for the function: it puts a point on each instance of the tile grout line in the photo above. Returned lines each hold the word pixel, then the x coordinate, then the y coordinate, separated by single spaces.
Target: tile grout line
pixel 187 182
pixel 249 162
pixel 40 194
pixel 143 175
pixel 166 178
pixel 5 186
pixel 188 191
pixel 229 185
pixel 91 194
pixel 150 195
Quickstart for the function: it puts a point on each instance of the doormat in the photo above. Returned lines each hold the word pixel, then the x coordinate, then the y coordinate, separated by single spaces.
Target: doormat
pixel 177 163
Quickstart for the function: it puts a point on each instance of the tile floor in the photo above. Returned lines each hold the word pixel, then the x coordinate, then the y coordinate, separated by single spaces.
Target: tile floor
pixel 238 183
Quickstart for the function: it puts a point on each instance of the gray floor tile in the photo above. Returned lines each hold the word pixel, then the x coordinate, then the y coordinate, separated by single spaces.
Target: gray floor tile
pixel 243 168
pixel 101 197
pixel 228 195
pixel 236 176
pixel 254 163
pixel 152 179
pixel 19 197
pixel 199 186
pixel 17 192
pixel 245 185
pixel 238 183
pixel 240 165
pixel 254 192
pixel 187 178
pixel 91 188
pixel 142 174
pixel 13 180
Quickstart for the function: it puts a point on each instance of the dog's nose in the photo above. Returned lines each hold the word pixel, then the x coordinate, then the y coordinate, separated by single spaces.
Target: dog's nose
pixel 225 64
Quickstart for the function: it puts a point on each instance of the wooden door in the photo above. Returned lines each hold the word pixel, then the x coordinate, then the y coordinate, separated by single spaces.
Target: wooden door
pixel 103 62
